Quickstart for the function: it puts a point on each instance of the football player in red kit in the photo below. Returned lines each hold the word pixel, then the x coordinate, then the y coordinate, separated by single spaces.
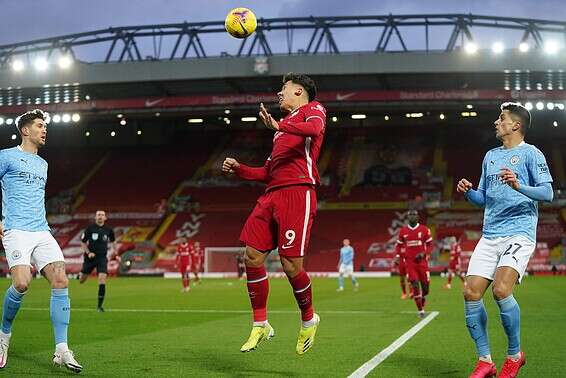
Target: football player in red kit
pixel 183 262
pixel 417 241
pixel 283 215
pixel 197 257
pixel 454 264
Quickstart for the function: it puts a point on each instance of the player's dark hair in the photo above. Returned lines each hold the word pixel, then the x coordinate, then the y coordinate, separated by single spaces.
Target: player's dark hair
pixel 28 117
pixel 304 81
pixel 520 112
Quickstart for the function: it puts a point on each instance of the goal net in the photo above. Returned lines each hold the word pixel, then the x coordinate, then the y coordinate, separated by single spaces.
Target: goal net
pixel 222 259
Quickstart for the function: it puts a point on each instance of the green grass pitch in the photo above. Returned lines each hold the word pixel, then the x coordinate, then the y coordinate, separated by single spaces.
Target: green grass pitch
pixel 203 339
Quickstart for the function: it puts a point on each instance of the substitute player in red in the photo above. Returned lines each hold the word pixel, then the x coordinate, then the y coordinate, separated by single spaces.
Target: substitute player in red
pixel 454 264
pixel 283 215
pixel 183 262
pixel 417 241
pixel 197 257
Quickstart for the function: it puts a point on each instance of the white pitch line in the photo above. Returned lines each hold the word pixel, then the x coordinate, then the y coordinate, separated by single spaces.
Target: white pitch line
pixel 366 368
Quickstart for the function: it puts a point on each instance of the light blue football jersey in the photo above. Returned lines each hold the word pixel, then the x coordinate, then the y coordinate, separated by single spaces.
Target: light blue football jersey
pixel 347 255
pixel 23 176
pixel 508 212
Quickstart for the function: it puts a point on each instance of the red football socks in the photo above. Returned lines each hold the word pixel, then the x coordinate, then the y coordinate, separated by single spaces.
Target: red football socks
pixel 301 284
pixel 258 290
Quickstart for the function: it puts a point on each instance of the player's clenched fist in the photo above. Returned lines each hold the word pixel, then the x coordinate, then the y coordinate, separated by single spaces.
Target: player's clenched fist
pixel 230 165
pixel 464 185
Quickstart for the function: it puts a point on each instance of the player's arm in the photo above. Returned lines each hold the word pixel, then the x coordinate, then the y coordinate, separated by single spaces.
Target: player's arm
pixel 246 172
pixel 312 126
pixel 539 174
pixel 428 242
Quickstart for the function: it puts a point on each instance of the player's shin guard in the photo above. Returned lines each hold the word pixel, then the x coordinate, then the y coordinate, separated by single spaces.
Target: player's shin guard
pixel 301 284
pixel 101 294
pixel 12 303
pixel 476 321
pixel 403 287
pixel 340 282
pixel 449 278
pixel 417 295
pixel 60 310
pixel 258 290
pixel 511 320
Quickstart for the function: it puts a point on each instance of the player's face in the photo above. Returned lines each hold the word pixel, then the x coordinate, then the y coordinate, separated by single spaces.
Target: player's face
pixel 346 242
pixel 36 132
pixel 505 125
pixel 413 217
pixel 100 217
pixel 288 96
pixel 197 244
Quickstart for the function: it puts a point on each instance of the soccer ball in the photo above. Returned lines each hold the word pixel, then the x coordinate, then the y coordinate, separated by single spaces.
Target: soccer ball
pixel 240 22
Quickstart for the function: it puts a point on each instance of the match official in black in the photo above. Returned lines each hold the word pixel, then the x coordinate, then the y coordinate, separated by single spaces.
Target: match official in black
pixel 94 242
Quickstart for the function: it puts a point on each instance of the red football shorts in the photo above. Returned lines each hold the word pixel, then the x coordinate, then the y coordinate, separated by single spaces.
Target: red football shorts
pixel 183 266
pixel 282 218
pixel 418 271
pixel 453 265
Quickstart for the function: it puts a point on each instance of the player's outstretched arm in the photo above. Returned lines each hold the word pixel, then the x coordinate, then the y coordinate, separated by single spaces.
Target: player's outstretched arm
pixel 232 166
pixel 477 197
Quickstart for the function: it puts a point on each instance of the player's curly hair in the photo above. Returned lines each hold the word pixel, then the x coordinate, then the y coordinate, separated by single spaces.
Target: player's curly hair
pixel 520 112
pixel 304 81
pixel 30 116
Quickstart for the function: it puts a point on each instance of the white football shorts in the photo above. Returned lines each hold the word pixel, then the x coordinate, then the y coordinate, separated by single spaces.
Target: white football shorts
pixel 490 254
pixel 26 248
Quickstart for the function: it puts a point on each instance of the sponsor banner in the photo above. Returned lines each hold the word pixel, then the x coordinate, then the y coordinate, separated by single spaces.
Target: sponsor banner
pixel 327 97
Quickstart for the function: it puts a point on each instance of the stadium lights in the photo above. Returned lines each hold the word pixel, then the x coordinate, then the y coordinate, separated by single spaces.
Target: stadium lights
pixel 113 133
pixel 471 48
pixel 386 118
pixel 497 48
pixel 226 111
pixel 559 106
pixel 1 121
pixel 87 97
pixel 196 120
pixel 524 47
pixel 9 121
pixel 56 118
pixel 442 116
pixel 555 123
pixel 249 119
pixel 18 65
pixel 335 119
pixel 41 64
pixel 119 115
pixel 358 116
pixel 65 61
pixel 540 105
pixel 76 117
pixel 414 115
pixel 551 47
pixel 87 134
pixel 139 132
pixel 469 106
pixel 123 122
pixel 529 106
pixel 14 136
pixel 66 118
pixel 550 106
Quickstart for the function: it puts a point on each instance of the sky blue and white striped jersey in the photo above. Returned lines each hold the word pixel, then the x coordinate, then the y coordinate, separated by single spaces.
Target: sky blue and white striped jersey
pixel 23 176
pixel 508 212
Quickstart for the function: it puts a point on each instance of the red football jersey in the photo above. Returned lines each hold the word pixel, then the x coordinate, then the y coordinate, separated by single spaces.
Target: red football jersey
pixel 296 147
pixel 197 254
pixel 455 250
pixel 183 253
pixel 415 240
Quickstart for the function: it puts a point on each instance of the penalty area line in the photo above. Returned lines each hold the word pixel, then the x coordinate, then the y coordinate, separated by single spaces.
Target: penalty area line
pixel 367 367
